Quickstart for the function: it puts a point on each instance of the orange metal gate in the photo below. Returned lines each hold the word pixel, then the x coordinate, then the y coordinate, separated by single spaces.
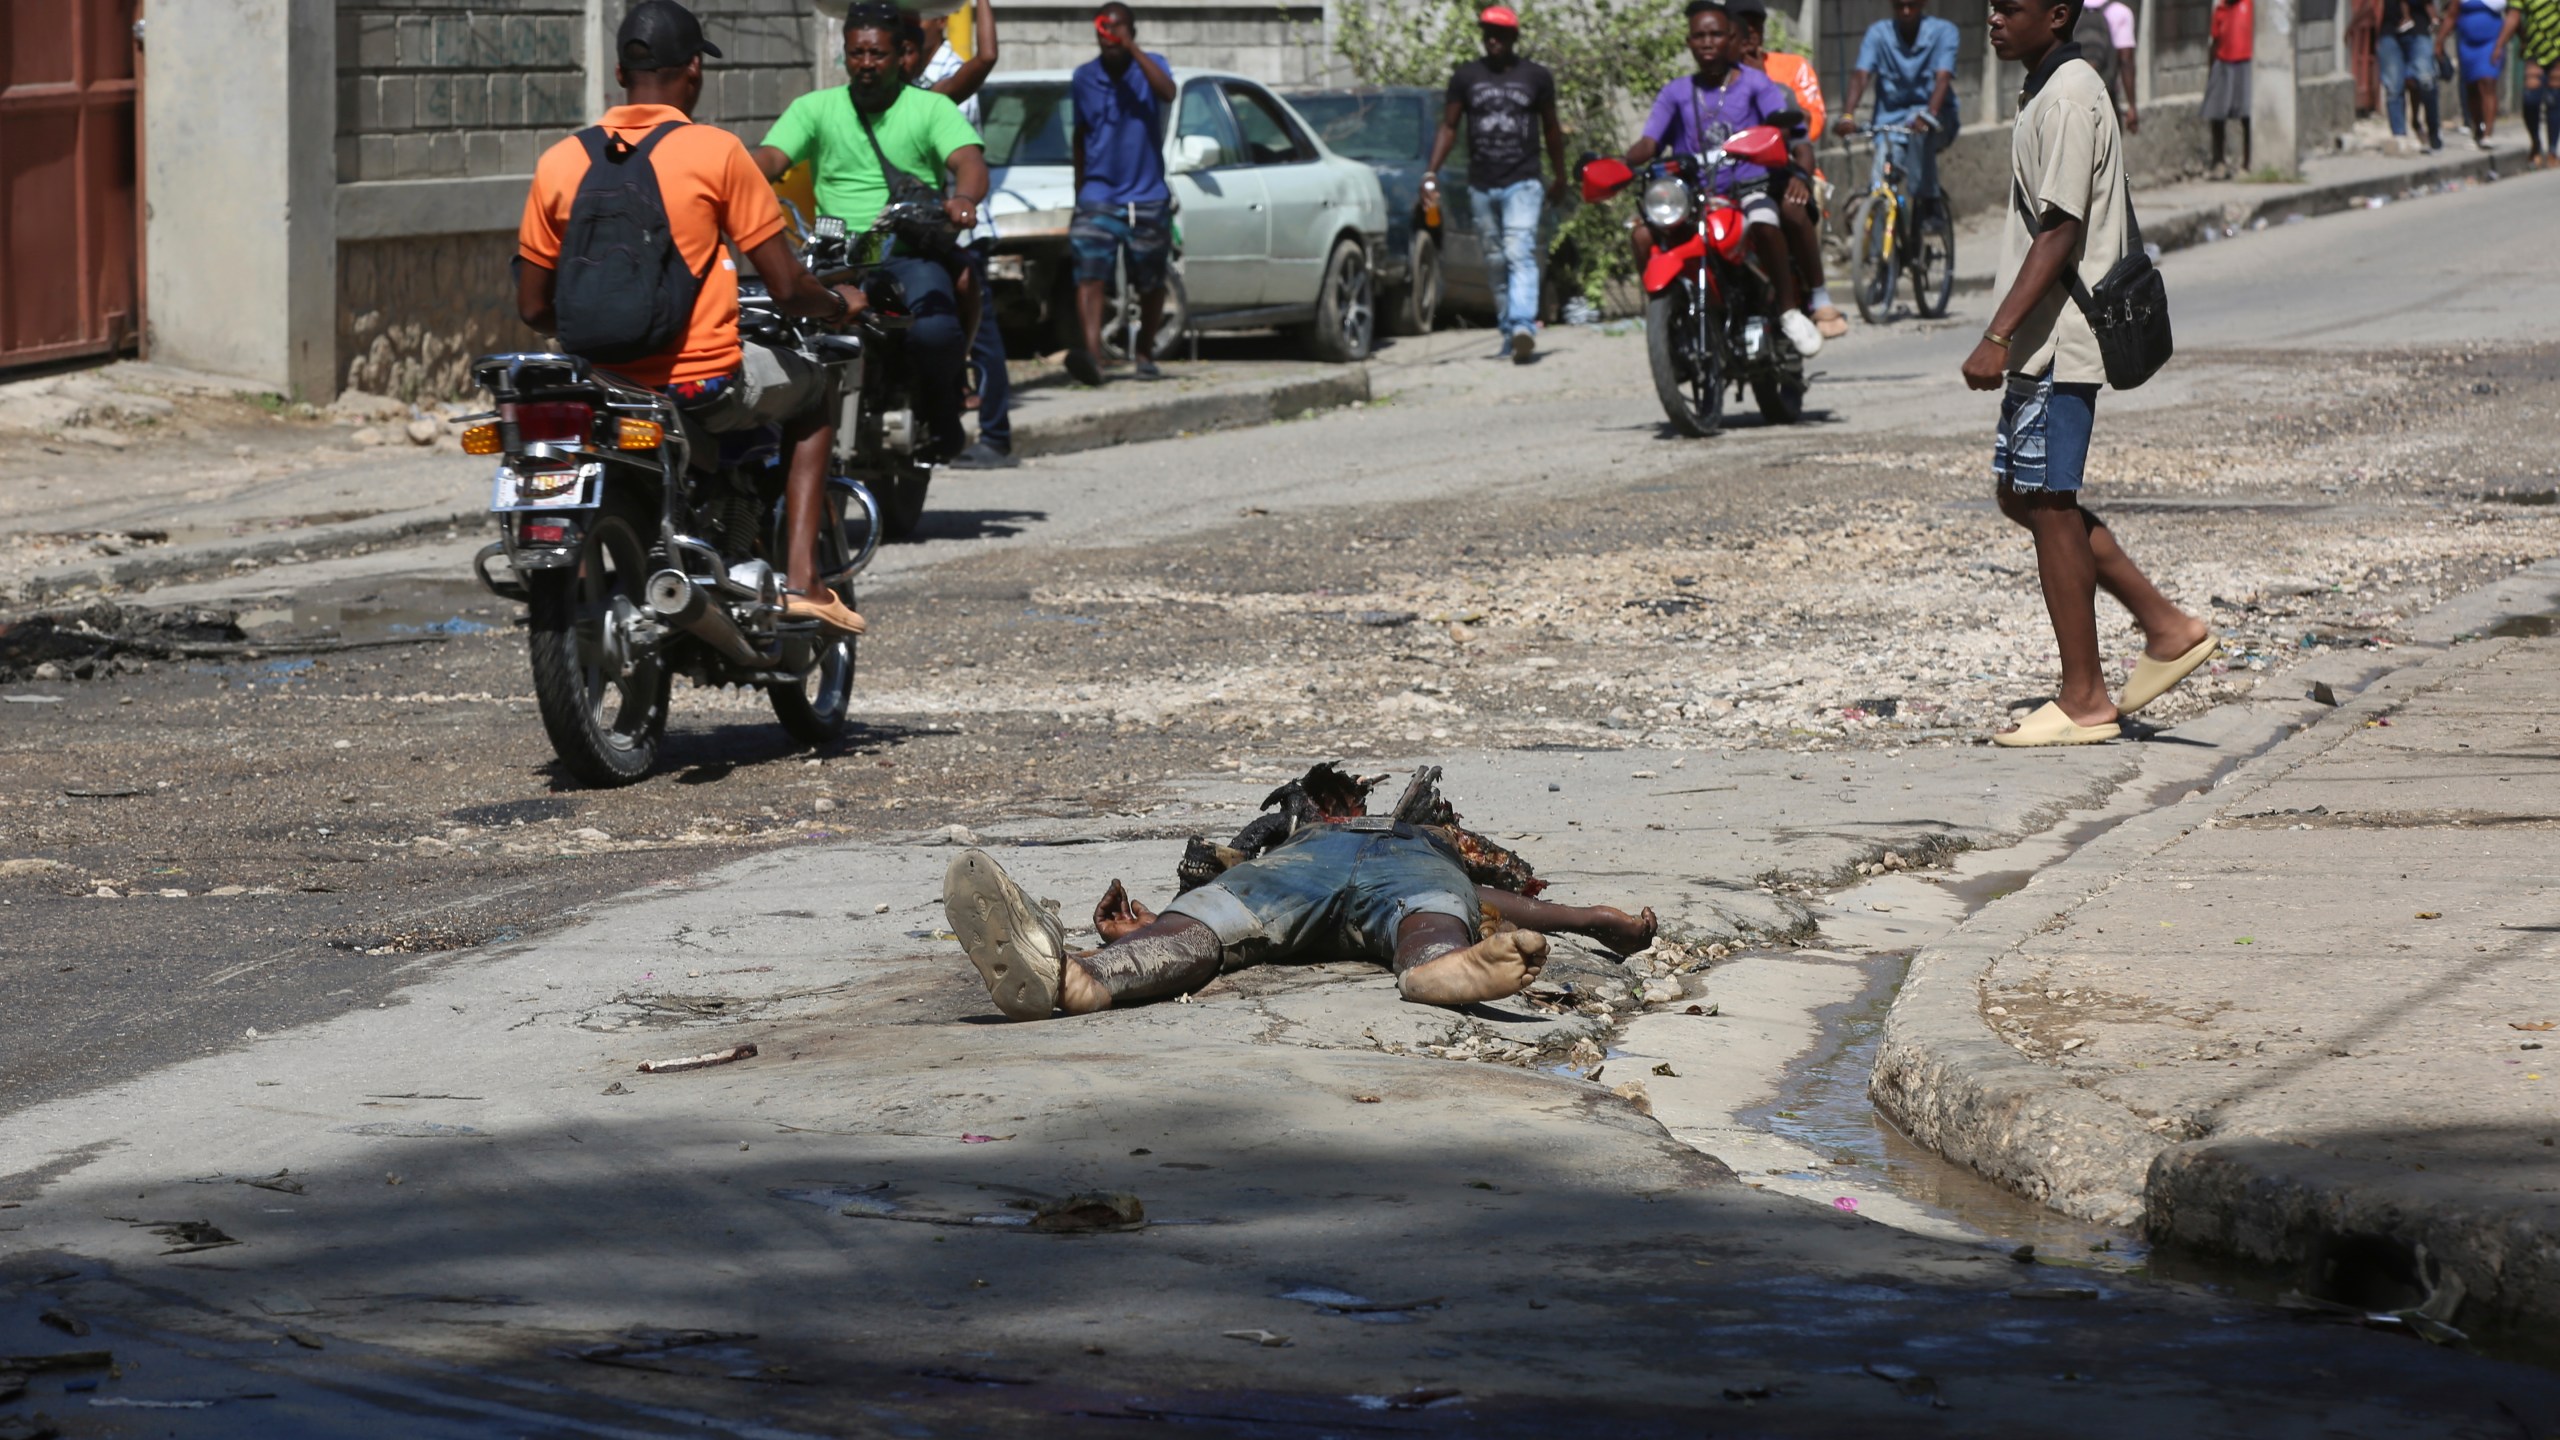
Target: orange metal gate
pixel 70 161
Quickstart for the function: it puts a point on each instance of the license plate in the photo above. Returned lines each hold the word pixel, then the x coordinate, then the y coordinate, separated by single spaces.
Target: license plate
pixel 545 489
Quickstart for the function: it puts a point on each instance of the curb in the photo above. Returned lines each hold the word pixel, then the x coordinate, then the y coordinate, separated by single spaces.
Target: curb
pixel 1226 407
pixel 182 561
pixel 1950 1083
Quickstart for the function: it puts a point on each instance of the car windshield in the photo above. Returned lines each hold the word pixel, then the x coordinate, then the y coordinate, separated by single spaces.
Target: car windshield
pixel 1380 129
pixel 1026 125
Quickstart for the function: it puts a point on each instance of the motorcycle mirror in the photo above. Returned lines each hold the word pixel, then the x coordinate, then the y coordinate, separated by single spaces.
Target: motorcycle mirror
pixel 1604 176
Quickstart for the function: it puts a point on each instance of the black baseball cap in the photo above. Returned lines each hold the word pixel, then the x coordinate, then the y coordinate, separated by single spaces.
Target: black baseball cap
pixel 660 35
pixel 1747 9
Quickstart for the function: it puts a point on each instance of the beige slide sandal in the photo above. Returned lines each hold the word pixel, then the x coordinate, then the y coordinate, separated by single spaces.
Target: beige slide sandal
pixel 2049 726
pixel 2152 679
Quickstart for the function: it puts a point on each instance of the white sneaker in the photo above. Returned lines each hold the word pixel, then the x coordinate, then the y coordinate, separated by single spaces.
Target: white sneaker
pixel 1801 333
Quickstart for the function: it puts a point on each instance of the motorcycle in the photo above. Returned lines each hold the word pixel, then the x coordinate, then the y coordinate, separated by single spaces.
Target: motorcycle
pixel 1707 302
pixel 644 548
pixel 879 432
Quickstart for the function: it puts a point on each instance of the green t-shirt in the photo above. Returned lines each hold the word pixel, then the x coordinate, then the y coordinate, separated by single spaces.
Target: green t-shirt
pixel 918 134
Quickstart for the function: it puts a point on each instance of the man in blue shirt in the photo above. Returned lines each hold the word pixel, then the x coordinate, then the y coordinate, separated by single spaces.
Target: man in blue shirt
pixel 1911 60
pixel 1122 201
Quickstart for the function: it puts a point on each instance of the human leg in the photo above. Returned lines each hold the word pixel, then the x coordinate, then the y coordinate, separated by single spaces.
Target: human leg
pixel 1486 206
pixel 2216 162
pixel 782 386
pixel 2391 60
pixel 986 353
pixel 1623 933
pixel 1094 241
pixel 935 349
pixel 1521 206
pixel 2038 454
pixel 1150 250
pixel 2248 161
pixel 1435 966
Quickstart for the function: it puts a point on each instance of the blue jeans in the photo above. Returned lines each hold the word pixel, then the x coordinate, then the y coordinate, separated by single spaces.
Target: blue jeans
pixel 986 353
pixel 1917 154
pixel 933 348
pixel 2408 59
pixel 1330 893
pixel 1507 229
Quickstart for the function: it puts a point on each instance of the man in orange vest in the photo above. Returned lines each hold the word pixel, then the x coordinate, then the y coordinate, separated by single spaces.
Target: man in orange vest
pixel 1802 222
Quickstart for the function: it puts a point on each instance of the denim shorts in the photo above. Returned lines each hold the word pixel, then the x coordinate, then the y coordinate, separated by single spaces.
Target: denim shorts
pixel 1332 894
pixel 2043 440
pixel 1100 231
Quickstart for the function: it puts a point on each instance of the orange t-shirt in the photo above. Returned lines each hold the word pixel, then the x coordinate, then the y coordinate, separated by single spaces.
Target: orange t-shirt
pixel 710 186
pixel 1797 74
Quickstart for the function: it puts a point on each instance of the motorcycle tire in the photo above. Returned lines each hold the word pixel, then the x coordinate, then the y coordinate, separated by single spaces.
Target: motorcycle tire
pixel 1691 387
pixel 1345 327
pixel 815 708
pixel 1933 260
pixel 1414 307
pixel 901 496
pixel 1871 261
pixel 1781 400
pixel 605 728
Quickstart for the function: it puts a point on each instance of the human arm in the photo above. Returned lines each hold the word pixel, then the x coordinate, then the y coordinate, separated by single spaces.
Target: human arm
pixel 1799 186
pixel 535 286
pixel 795 291
pixel 1642 152
pixel 968 166
pixel 962 83
pixel 1443 143
pixel 793 135
pixel 2507 33
pixel 1554 127
pixel 1159 79
pixel 1858 80
pixel 2047 260
pixel 770 162
pixel 2125 67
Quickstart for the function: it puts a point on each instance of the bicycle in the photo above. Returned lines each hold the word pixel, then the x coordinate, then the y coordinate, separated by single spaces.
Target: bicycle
pixel 1890 233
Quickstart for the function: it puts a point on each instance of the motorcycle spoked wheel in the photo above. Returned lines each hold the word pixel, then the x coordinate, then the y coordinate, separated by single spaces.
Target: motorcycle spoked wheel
pixel 1688 374
pixel 605 726
pixel 814 708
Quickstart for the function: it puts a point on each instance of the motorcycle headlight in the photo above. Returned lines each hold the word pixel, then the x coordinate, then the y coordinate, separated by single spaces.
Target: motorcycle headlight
pixel 1666 203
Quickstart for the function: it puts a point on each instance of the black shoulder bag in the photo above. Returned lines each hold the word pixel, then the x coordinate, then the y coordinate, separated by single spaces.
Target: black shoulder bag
pixel 934 239
pixel 2128 309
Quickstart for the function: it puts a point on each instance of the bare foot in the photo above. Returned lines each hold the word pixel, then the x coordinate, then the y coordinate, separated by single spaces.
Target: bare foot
pixel 2174 641
pixel 1491 968
pixel 1079 992
pixel 1117 914
pixel 1623 933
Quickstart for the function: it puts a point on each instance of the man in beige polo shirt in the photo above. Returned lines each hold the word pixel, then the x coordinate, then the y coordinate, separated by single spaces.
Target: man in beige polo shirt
pixel 2069 218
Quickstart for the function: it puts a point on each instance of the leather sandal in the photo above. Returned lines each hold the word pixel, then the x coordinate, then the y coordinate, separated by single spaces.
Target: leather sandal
pixel 826 609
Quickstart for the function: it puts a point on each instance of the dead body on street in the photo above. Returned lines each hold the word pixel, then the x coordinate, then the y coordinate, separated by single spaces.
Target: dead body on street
pixel 1454 916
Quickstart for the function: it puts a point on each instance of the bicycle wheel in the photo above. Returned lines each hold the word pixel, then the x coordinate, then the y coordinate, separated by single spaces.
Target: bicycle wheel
pixel 1871 257
pixel 1932 258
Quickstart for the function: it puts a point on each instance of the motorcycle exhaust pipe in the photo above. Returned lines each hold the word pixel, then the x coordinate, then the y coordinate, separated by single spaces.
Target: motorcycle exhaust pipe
pixel 677 601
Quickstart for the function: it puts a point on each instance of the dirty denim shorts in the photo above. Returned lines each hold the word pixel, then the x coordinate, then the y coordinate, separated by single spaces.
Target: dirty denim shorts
pixel 2043 440
pixel 1099 231
pixel 1329 893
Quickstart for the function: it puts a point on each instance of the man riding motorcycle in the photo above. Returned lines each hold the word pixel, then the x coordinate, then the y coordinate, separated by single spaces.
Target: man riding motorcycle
pixel 709 188
pixel 876 140
pixel 1695 114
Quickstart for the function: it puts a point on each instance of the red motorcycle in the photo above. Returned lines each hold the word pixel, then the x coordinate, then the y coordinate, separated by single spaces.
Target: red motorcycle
pixel 1706 301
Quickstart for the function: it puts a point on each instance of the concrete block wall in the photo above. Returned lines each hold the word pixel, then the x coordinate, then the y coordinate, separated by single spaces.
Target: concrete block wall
pixel 768 58
pixel 413 312
pixel 1278 44
pixel 446 89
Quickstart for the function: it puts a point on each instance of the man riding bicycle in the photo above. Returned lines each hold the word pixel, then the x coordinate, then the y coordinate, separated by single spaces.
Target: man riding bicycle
pixel 708 189
pixel 872 139
pixel 1695 114
pixel 1911 60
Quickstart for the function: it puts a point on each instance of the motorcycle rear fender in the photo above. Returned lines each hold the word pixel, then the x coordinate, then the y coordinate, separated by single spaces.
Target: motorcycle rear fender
pixel 1667 266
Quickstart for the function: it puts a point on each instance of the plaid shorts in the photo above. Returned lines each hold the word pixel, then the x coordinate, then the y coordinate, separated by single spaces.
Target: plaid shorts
pixel 1145 231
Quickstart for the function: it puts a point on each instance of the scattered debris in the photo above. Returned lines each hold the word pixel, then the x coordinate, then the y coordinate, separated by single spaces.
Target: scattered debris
pixel 698 1062
pixel 966 1139
pixel 1343 1302
pixel 58 1360
pixel 2531 1024
pixel 64 1321
pixel 414 1130
pixel 307 1342
pixel 189 1236
pixel 282 1182
pixel 2054 1292
pixel 1910 1384
pixel 1268 1339
pixel 1091 1212
pixel 1845 1202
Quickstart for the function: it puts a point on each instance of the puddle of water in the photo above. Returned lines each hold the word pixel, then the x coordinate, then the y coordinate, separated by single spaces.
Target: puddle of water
pixel 454 625
pixel 2530 627
pixel 1823 1106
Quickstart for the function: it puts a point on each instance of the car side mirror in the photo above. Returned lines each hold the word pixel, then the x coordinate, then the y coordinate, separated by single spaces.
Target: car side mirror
pixel 1194 152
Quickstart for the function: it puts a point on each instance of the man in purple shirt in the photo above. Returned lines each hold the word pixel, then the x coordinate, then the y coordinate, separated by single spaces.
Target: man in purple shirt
pixel 1695 114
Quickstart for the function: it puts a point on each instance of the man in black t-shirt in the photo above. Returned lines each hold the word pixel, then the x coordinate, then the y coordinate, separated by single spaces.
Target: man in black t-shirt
pixel 1507 102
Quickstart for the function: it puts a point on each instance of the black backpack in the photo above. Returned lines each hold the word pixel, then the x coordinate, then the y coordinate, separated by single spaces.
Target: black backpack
pixel 624 291
pixel 2098 47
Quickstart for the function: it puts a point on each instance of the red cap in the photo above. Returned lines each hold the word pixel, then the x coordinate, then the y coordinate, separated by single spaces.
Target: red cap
pixel 1502 15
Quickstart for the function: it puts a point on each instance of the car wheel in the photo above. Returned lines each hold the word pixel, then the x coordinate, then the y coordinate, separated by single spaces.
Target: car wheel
pixel 1346 307
pixel 1415 308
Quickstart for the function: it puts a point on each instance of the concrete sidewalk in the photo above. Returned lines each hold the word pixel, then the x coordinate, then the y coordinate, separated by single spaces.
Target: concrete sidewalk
pixel 2201 212
pixel 140 474
pixel 2296 1019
